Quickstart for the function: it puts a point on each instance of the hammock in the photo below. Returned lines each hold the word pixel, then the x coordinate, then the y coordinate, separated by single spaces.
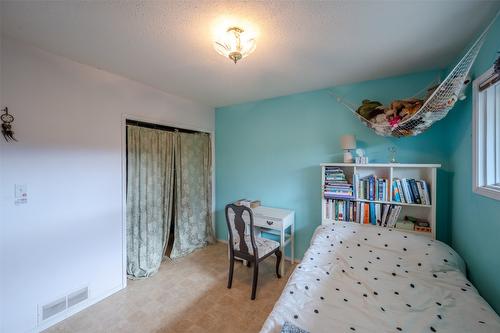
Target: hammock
pixel 436 105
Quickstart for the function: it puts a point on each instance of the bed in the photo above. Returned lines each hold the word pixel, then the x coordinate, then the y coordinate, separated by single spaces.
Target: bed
pixel 363 278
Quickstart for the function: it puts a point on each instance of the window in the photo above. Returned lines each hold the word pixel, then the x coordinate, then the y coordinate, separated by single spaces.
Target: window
pixel 486 135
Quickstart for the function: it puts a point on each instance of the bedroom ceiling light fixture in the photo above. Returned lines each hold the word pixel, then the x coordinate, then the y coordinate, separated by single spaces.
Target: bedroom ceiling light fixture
pixel 235 44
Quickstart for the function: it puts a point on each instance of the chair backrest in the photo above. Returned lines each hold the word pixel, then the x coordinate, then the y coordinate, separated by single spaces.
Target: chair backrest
pixel 237 227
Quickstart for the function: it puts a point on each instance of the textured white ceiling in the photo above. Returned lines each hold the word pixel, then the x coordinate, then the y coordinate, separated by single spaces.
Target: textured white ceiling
pixel 302 45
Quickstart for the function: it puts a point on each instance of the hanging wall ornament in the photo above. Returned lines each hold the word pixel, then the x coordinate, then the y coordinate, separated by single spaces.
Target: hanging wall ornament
pixel 7 120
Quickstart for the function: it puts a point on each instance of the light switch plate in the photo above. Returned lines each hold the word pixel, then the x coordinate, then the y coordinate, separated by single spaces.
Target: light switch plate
pixel 20 191
pixel 20 194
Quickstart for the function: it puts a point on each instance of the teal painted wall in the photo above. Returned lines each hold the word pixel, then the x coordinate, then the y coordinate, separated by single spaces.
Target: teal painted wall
pixel 476 219
pixel 271 149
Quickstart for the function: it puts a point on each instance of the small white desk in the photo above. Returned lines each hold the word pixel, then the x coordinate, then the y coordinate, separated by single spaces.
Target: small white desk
pixel 276 221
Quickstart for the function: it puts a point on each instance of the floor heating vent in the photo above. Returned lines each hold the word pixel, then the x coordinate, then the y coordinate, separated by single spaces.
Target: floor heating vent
pixel 78 296
pixel 53 308
pixel 63 303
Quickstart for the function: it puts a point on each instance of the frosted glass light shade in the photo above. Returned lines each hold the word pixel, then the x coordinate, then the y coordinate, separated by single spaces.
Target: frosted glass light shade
pixel 235 44
pixel 348 142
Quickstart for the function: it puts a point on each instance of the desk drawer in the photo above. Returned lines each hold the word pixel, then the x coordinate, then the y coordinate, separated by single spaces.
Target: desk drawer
pixel 267 223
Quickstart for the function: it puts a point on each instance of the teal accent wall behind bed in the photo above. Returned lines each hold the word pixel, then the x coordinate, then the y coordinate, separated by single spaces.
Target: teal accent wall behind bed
pixel 271 149
pixel 475 231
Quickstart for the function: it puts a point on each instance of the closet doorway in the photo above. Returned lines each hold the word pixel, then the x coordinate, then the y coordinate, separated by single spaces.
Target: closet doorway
pixel 168 194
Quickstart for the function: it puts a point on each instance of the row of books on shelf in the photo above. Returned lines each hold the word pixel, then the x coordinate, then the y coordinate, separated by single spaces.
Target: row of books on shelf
pixel 409 190
pixel 405 190
pixel 385 215
pixel 372 188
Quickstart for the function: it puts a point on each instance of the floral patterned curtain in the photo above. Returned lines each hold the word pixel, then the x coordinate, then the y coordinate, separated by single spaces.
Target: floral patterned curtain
pixel 159 165
pixel 193 192
pixel 150 179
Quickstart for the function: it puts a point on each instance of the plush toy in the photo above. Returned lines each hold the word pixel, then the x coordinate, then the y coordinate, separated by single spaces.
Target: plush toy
pixel 369 109
pixel 394 120
pixel 404 109
pixel 380 118
pixel 398 111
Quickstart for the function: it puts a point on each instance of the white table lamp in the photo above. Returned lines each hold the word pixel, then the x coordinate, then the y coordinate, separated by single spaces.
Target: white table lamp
pixel 348 143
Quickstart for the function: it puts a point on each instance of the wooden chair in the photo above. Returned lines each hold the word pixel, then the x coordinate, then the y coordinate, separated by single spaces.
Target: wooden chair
pixel 244 245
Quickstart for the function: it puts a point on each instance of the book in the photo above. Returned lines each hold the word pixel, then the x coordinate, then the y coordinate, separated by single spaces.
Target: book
pixel 427 195
pixel 373 219
pixel 396 195
pixel 385 210
pixel 366 217
pixel 355 188
pixel 361 212
pixel 407 191
pixel 327 209
pixel 414 191
pixel 400 190
pixel 381 189
pixel 388 188
pixel 420 189
pixel 387 223
pixel 371 188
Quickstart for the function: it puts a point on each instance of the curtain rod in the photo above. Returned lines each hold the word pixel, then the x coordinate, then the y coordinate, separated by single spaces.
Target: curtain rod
pixel 489 81
pixel 160 127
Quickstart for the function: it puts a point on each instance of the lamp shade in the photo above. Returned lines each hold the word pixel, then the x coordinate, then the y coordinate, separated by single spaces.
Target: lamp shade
pixel 348 142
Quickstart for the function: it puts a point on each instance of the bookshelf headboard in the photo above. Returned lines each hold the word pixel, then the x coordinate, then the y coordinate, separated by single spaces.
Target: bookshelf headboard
pixel 402 196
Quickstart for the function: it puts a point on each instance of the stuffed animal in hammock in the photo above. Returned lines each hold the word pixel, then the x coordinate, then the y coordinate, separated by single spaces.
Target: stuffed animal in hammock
pixel 400 110
pixel 370 109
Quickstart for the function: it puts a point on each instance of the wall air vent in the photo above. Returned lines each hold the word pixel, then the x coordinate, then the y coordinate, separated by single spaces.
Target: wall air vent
pixel 62 304
pixel 78 296
pixel 53 308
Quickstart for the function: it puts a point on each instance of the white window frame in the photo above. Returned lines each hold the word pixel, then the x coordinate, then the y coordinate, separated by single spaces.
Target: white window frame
pixel 479 174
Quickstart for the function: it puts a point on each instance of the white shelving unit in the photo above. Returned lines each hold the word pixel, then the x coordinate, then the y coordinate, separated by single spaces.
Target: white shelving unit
pixel 425 172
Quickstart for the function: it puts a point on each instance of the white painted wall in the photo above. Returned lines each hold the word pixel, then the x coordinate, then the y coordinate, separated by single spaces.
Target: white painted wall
pixel 1 182
pixel 69 126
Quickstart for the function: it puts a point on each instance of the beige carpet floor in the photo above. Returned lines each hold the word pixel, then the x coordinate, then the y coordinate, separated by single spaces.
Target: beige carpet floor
pixel 186 295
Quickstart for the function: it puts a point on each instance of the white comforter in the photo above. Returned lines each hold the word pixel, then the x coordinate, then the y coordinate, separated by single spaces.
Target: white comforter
pixel 361 278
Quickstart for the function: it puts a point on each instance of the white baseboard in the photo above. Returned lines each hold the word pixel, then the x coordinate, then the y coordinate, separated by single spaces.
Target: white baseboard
pixel 75 309
pixel 295 260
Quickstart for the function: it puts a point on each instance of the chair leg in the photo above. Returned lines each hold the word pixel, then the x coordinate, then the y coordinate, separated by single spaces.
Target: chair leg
pixel 231 269
pixel 255 278
pixel 278 261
